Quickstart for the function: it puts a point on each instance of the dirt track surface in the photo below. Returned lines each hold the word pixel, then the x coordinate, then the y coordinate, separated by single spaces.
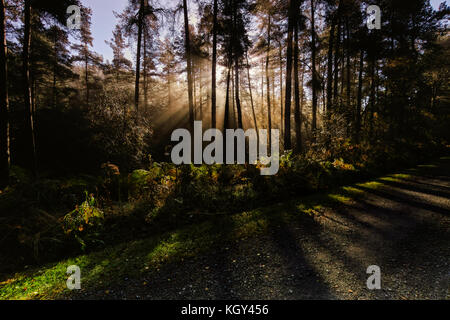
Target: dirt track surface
pixel 403 227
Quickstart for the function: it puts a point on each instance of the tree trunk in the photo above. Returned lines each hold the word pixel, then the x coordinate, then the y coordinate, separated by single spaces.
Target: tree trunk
pixel 349 108
pixel 236 69
pixel 169 92
pixel 189 64
pixel 34 89
pixel 273 92
pixel 208 89
pixel 86 74
pixel 214 70
pixel 30 144
pixel 372 96
pixel 263 116
pixel 226 119
pixel 359 102
pixel 195 91
pixel 280 57
pixel 297 112
pixel 344 52
pixel 233 102
pixel 269 111
pixel 4 102
pixel 348 63
pixel 226 122
pixel 145 74
pixel 336 60
pixel 313 70
pixel 200 84
pixel 237 96
pixel 330 69
pixel 302 91
pixel 251 99
pixel 55 65
pixel 138 54
pixel 287 111
pixel 274 105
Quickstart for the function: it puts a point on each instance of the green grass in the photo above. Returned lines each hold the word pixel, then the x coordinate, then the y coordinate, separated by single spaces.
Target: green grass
pixel 135 258
pixel 429 166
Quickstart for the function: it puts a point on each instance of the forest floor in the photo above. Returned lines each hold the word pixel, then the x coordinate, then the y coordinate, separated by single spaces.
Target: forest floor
pixel 318 247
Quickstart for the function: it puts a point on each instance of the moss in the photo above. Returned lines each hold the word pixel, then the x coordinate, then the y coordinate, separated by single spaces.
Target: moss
pixel 340 198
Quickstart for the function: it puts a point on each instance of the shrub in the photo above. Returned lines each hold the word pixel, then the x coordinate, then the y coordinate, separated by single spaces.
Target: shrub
pixel 84 222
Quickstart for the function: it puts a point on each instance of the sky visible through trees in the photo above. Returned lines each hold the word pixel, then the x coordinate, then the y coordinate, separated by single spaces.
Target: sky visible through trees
pixel 103 21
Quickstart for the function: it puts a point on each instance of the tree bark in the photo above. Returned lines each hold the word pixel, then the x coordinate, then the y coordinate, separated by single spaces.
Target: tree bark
pixel 86 73
pixel 214 69
pixel 359 102
pixel 226 119
pixel 189 64
pixel 200 84
pixel 145 66
pixel 263 116
pixel 237 96
pixel 251 99
pixel 349 108
pixel 348 62
pixel 4 102
pixel 169 92
pixel 138 54
pixel 336 60
pixel 194 90
pixel 330 69
pixel 30 144
pixel 233 101
pixel 372 96
pixel 288 96
pixel 269 111
pixel 297 112
pixel 280 57
pixel 226 122
pixel 55 65
pixel 313 70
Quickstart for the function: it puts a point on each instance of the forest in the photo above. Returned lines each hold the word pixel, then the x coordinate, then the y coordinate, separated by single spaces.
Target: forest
pixel 86 174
